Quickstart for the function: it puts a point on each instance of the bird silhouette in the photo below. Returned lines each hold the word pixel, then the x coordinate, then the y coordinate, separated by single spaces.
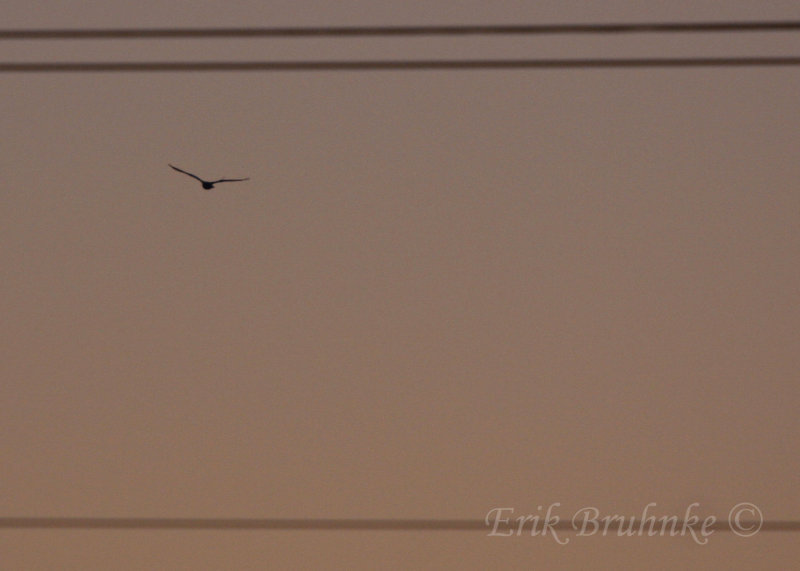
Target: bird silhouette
pixel 208 184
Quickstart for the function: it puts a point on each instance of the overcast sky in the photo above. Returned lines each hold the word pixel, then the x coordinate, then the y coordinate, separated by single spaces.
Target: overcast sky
pixel 439 293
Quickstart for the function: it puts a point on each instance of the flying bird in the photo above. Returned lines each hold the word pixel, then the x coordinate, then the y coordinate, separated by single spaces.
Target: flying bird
pixel 208 184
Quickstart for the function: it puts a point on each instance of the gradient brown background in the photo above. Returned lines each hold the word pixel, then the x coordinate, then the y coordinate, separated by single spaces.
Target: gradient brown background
pixel 439 293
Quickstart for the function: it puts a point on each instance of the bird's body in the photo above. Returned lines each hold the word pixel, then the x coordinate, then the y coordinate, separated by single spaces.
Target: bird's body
pixel 208 184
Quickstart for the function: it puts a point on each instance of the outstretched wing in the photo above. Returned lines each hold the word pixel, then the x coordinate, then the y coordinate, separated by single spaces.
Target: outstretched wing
pixel 184 172
pixel 231 180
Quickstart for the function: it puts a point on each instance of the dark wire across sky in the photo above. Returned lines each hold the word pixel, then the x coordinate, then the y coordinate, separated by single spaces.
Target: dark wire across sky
pixel 394 31
pixel 358 524
pixel 394 65
pixel 432 30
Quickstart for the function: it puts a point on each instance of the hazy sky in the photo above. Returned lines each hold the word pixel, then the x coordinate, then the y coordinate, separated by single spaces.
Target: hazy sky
pixel 439 293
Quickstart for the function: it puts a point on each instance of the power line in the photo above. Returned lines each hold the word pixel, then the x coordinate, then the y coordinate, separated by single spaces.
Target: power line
pixel 311 524
pixel 354 31
pixel 394 65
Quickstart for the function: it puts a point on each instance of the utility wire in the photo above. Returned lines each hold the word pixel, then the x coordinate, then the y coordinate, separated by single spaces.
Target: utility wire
pixel 352 31
pixel 356 524
pixel 395 65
